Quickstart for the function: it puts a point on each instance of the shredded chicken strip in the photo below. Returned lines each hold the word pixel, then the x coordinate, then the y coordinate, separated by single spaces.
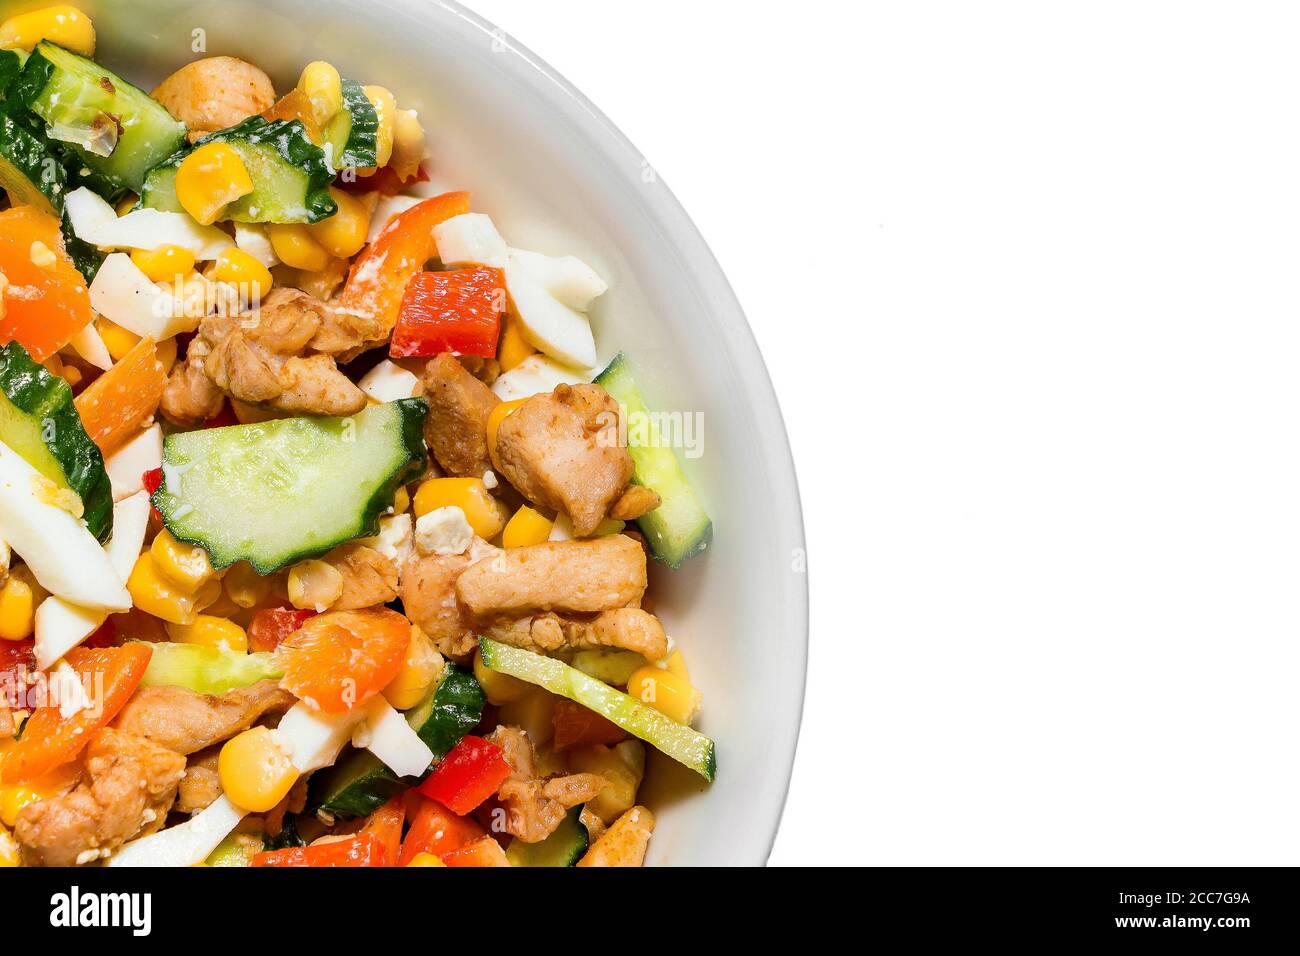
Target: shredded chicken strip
pixel 535 806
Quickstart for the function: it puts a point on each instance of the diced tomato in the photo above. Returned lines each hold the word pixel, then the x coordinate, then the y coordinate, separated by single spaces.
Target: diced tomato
pixel 386 823
pixel 380 273
pixel 578 726
pixel 104 636
pixel 456 311
pixel 385 181
pixel 481 853
pixel 118 402
pixel 110 675
pixel 435 829
pixel 46 303
pixel 468 775
pixel 152 480
pixel 269 627
pixel 339 660
pixel 364 849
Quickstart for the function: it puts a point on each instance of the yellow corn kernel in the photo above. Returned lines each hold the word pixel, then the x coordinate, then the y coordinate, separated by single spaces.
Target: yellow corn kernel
pixel 126 204
pixel 23 573
pixel 209 179
pixel 525 528
pixel 245 587
pixel 622 766
pixel 500 412
pixel 296 248
pixel 401 500
pixel 426 859
pixel 166 351
pixel 167 263
pixel 386 108
pixel 240 269
pixel 514 347
pixel 17 610
pixel 420 673
pixel 60 780
pixel 314 585
pixel 676 664
pixel 534 712
pixel 485 514
pixel 210 631
pixel 669 693
pixel 12 801
pixel 63 25
pixel 156 594
pixel 255 771
pixel 71 374
pixel 344 233
pixel 500 688
pixel 321 84
pixel 408 144
pixel 10 855
pixel 185 565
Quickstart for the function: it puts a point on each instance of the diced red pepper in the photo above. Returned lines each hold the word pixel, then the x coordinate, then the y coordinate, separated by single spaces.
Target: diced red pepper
pixel 270 626
pixel 468 775
pixel 364 849
pixel 152 480
pixel 386 182
pixel 578 726
pixel 17 658
pixel 435 829
pixel 386 823
pixel 456 311
pixel 105 635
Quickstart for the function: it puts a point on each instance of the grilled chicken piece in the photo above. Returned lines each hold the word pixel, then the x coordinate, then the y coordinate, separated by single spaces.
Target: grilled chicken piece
pixel 630 629
pixel 185 722
pixel 215 93
pixel 456 429
pixel 624 843
pixel 635 502
pixel 201 785
pixel 535 806
pixel 369 578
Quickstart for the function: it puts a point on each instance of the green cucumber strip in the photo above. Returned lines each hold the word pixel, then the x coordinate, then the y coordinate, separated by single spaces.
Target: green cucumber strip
pixel 290 176
pixel 208 670
pixel 39 421
pixel 30 172
pixel 281 491
pixel 683 744
pixel 611 667
pixel 84 256
pixel 114 128
pixel 360 784
pixel 352 133
pixel 564 847
pixel 679 528
pixel 236 850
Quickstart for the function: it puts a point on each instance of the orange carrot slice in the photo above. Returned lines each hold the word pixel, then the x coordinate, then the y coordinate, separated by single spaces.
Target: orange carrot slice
pixel 120 401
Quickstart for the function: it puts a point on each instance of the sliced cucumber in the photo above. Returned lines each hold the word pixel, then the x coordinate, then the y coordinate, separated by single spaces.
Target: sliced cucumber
pixel 208 670
pixel 686 746
pixel 679 528
pixel 564 847
pixel 280 491
pixel 30 172
pixel 39 421
pixel 352 133
pixel 290 176
pixel 11 66
pixel 237 849
pixel 359 784
pixel 114 128
pixel 84 256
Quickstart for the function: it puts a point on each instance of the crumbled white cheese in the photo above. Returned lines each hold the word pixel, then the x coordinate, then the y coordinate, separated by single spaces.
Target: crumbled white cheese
pixel 443 531
pixel 395 538
pixel 490 479
pixel 66 685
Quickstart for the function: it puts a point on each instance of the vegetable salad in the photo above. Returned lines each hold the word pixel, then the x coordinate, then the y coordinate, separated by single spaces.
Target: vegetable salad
pixel 323 541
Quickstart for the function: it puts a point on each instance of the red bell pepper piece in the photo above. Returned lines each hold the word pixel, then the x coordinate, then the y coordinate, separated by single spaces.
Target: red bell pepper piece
pixel 468 775
pixel 456 311
pixel 17 659
pixel 152 480
pixel 578 726
pixel 435 829
pixel 380 273
pixel 53 305
pixel 386 823
pixel 364 849
pixel 270 626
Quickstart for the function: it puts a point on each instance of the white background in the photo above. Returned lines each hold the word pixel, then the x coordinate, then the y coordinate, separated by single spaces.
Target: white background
pixel 1025 276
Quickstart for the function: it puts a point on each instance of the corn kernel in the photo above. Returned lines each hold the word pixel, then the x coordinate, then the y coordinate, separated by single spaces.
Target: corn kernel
pixel 23 573
pixel 63 25
pixel 420 673
pixel 209 179
pixel 533 713
pixel 240 269
pixel 156 594
pixel 255 771
pixel 408 144
pixel 668 693
pixel 426 859
pixel 525 528
pixel 10 855
pixel 14 799
pixel 344 233
pixel 185 565
pixel 296 248
pixel 17 610
pixel 622 766
pixel 514 347
pixel 676 664
pixel 500 412
pixel 245 587
pixel 209 631
pixel 485 514
pixel 321 84
pixel 126 204
pixel 314 585
pixel 117 340
pixel 500 688
pixel 167 263
pixel 386 108
pixel 166 352
pixel 250 414
pixel 401 500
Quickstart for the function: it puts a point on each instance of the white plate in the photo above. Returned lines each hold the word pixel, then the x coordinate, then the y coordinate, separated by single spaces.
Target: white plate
pixel 556 176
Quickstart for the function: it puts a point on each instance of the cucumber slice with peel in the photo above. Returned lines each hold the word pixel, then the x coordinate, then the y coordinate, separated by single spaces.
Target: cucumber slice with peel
pixel 208 670
pixel 29 170
pixel 685 745
pixel 352 133
pixel 564 847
